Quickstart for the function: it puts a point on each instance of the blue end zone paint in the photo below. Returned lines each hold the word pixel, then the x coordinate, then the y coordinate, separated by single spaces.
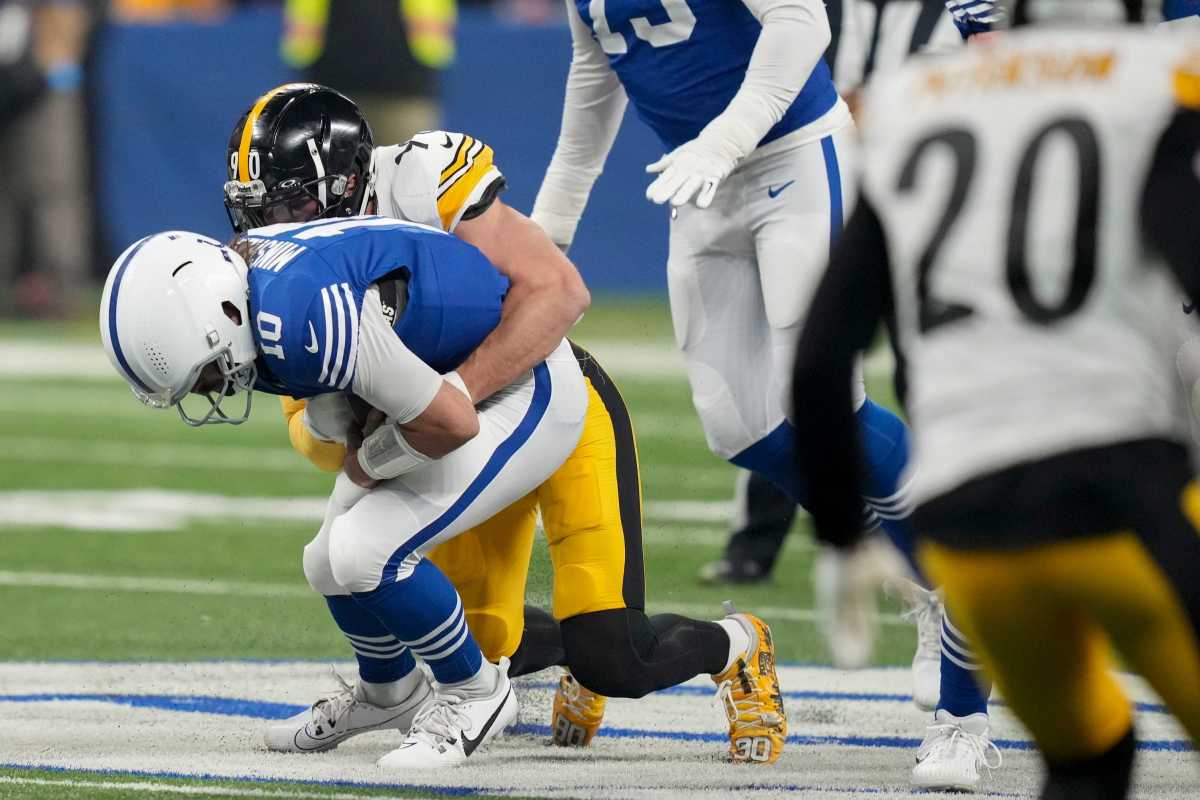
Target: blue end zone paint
pixel 267 710
pixel 442 791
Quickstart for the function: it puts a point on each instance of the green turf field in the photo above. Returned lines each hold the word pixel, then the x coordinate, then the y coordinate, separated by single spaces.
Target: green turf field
pixel 218 583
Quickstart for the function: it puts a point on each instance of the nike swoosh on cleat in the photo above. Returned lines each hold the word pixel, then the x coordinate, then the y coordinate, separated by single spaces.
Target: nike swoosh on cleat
pixel 312 342
pixel 470 744
pixel 773 191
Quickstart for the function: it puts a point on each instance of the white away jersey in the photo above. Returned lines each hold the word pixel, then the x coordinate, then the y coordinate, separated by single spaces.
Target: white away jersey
pixel 436 178
pixel 1008 180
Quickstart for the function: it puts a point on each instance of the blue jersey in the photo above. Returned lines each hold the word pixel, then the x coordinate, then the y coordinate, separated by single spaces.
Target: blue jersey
pixel 682 61
pixel 306 291
pixel 1178 9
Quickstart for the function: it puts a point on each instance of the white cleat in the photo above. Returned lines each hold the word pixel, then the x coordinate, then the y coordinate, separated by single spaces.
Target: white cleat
pixel 953 751
pixel 336 718
pixel 449 729
pixel 925 610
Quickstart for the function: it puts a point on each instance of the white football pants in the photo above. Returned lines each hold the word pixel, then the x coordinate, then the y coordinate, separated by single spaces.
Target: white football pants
pixel 526 432
pixel 741 274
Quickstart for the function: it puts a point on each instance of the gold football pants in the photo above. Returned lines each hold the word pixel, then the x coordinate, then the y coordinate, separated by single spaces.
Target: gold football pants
pixel 1044 619
pixel 592 517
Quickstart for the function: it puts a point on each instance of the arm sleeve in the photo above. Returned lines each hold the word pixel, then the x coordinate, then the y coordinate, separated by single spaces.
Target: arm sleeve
pixel 592 111
pixel 794 36
pixel 1170 212
pixel 327 456
pixel 853 297
pixel 387 374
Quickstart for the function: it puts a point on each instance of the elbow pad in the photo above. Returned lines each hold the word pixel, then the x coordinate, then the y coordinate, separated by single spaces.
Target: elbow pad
pixel 386 454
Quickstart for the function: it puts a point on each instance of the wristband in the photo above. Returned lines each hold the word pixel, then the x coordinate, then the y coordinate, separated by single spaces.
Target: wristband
pixel 386 454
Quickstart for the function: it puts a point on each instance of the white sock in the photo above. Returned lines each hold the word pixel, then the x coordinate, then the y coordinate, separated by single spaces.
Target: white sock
pixel 739 640
pixel 393 693
pixel 482 684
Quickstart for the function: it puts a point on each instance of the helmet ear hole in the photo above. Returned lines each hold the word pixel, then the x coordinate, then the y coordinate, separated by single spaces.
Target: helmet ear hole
pixel 232 312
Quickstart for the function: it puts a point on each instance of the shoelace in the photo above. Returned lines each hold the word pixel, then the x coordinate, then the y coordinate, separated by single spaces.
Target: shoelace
pixel 441 720
pixel 951 734
pixel 328 711
pixel 578 700
pixel 929 636
pixel 744 713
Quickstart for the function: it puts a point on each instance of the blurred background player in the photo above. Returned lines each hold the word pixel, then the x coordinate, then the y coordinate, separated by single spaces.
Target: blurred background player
pixel 46 243
pixel 315 159
pixel 384 53
pixel 1058 530
pixel 756 175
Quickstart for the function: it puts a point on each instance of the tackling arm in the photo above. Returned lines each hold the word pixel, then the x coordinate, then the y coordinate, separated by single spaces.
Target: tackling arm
pixel 592 111
pixel 546 297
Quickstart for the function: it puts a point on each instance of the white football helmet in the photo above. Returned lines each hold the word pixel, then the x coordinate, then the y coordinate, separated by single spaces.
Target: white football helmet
pixel 174 303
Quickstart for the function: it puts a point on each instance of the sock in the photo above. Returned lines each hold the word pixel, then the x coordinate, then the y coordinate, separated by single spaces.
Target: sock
pixel 382 659
pixel 482 684
pixel 739 640
pixel 393 693
pixel 423 611
pixel 772 457
pixel 884 440
pixel 961 692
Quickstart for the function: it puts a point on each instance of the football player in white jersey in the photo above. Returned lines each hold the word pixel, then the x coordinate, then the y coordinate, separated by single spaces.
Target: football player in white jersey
pixel 303 152
pixel 1030 213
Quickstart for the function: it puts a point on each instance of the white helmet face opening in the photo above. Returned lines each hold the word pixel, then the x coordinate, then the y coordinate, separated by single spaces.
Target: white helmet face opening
pixel 175 304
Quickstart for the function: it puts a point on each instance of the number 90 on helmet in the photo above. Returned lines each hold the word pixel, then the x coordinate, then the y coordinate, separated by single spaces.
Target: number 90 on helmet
pixel 300 152
pixel 174 319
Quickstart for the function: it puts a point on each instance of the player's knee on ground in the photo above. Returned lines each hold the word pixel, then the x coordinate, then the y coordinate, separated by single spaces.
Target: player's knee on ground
pixel 602 651
pixel 353 566
pixel 317 569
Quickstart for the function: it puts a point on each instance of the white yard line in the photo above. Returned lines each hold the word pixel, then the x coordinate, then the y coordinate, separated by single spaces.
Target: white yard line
pixel 119 583
pixel 207 790
pixel 656 358
pixel 145 510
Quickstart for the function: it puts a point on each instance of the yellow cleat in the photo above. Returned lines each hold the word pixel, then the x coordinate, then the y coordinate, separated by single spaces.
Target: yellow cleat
pixel 577 713
pixel 749 691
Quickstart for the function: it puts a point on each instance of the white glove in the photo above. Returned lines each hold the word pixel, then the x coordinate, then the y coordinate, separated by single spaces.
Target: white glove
pixel 694 169
pixel 845 583
pixel 329 416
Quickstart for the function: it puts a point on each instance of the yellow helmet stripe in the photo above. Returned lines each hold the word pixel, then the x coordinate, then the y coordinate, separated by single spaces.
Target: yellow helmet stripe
pixel 248 131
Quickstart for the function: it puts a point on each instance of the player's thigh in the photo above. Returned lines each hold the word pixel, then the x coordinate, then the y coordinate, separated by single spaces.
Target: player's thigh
pixel 720 324
pixel 525 433
pixel 489 565
pixel 1049 657
pixel 1148 599
pixel 591 510
pixel 795 228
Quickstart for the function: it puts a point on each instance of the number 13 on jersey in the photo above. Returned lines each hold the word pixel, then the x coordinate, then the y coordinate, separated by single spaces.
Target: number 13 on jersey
pixel 678 29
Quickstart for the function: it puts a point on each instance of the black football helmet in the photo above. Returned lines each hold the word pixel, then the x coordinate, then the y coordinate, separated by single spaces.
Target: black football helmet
pixel 292 155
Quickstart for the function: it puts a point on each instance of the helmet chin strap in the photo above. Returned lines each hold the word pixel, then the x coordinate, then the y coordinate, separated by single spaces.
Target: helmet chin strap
pixel 322 192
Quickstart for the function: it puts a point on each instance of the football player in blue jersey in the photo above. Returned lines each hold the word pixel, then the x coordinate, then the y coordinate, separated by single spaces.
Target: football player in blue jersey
pixel 387 309
pixel 759 174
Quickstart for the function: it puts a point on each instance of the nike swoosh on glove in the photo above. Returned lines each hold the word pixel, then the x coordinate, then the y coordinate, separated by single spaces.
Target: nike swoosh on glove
pixel 692 170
